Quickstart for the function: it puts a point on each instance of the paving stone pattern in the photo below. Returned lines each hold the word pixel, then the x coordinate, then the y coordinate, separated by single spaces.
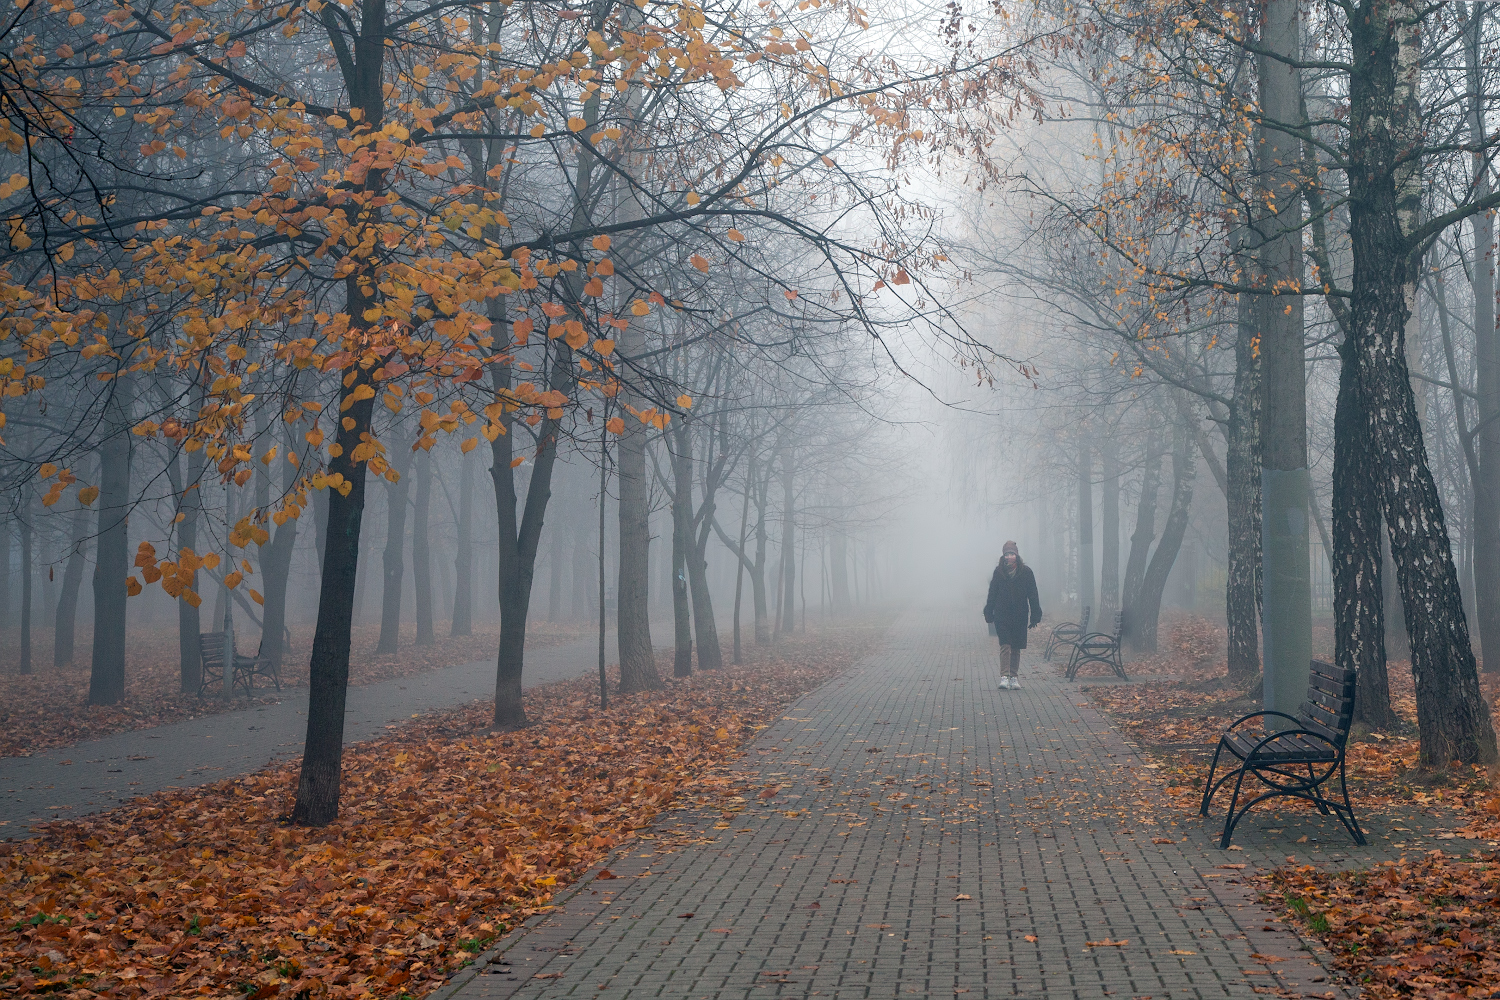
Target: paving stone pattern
pixel 931 835
pixel 89 777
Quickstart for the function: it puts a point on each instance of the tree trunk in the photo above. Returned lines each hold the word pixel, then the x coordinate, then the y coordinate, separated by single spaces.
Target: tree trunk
pixel 555 550
pixel 633 582
pixel 1275 247
pixel 1109 582
pixel 1359 631
pixel 463 587
pixel 583 589
pixel 1486 487
pixel 6 601
pixel 112 560
pixel 519 537
pixel 758 566
pixel 28 542
pixel 421 553
pixel 695 561
pixel 682 517
pixel 1085 522
pixel 787 613
pixel 276 567
pixel 739 569
pixel 1143 535
pixel 318 783
pixel 64 626
pixel 838 558
pixel 1147 608
pixel 1242 498
pixel 1385 200
pixel 392 561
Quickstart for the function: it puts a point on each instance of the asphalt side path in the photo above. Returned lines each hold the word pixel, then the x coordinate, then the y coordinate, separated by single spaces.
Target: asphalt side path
pixel 918 832
pixel 99 774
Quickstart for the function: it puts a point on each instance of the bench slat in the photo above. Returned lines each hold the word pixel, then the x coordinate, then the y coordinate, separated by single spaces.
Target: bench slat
pixel 1284 749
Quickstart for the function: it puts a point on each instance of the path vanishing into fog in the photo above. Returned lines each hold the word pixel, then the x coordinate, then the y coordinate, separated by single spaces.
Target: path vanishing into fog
pixel 921 833
pixel 89 777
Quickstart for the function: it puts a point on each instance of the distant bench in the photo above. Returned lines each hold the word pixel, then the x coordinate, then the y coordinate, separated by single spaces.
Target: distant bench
pixel 214 649
pixel 1100 647
pixel 1066 634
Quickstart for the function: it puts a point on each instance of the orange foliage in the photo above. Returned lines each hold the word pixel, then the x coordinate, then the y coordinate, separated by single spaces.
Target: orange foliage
pixel 449 836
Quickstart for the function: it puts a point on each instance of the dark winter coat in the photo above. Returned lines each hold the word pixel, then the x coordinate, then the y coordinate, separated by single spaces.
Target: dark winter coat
pixel 1013 604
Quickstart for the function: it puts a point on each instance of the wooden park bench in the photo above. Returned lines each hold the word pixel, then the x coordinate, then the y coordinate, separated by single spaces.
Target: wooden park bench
pixel 1066 634
pixel 1100 647
pixel 1315 745
pixel 212 650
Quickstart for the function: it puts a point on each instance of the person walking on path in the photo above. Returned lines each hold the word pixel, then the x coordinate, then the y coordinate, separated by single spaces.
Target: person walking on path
pixel 1013 607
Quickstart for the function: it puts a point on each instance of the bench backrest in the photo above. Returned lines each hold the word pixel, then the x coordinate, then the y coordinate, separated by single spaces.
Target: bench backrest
pixel 1083 623
pixel 211 647
pixel 1119 624
pixel 1329 708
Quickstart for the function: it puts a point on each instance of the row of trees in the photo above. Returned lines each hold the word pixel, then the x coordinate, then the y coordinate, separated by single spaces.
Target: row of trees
pixel 1251 204
pixel 271 250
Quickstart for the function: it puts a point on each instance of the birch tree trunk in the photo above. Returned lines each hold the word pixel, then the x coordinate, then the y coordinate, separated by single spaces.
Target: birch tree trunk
pixel 1358 618
pixel 1486 490
pixel 1385 201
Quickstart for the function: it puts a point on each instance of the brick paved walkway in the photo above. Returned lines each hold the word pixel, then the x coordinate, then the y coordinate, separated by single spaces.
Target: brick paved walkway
pixel 89 777
pixel 932 836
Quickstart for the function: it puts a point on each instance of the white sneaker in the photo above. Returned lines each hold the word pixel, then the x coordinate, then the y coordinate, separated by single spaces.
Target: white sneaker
pixel 1004 683
pixel 1015 683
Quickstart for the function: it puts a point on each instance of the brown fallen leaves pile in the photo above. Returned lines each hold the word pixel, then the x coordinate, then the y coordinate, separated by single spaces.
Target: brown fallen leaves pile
pixel 1420 927
pixel 448 836
pixel 1425 926
pixel 48 708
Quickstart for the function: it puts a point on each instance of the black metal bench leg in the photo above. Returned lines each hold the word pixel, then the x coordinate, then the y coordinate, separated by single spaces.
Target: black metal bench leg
pixel 1208 786
pixel 1230 819
pixel 1352 824
pixel 1313 783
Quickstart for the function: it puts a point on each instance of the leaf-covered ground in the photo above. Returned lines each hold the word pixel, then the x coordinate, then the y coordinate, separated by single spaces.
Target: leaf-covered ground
pixel 1426 926
pixel 448 836
pixel 48 708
